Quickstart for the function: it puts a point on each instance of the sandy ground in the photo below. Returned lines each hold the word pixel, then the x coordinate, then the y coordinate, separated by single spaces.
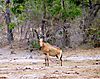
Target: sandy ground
pixel 77 64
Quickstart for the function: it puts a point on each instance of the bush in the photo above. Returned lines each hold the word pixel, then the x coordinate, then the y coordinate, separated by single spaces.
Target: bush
pixel 35 44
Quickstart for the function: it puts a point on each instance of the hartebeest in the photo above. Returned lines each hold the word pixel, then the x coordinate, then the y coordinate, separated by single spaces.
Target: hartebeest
pixel 50 50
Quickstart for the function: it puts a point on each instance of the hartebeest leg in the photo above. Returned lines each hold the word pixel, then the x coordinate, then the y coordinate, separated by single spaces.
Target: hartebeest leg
pixel 61 60
pixel 47 60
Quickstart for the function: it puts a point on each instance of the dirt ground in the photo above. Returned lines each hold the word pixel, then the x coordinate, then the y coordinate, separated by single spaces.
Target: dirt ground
pixel 77 64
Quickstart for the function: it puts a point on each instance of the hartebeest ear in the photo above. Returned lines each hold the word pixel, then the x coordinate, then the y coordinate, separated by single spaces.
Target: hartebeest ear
pixel 36 31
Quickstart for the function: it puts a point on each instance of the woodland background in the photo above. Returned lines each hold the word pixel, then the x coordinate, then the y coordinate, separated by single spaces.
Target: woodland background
pixel 64 23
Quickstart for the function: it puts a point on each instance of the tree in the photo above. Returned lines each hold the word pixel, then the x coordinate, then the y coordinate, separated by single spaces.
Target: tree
pixel 8 21
pixel 89 16
pixel 52 9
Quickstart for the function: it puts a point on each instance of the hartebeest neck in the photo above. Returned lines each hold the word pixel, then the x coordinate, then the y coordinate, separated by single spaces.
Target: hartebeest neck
pixel 41 42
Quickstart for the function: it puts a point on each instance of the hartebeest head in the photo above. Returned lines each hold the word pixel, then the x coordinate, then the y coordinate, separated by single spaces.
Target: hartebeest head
pixel 41 42
pixel 40 37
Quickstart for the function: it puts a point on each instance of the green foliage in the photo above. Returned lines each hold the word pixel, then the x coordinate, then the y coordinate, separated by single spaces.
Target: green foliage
pixel 12 25
pixel 35 44
pixel 50 2
pixel 70 10
pixel 55 10
pixel 98 34
pixel 18 6
pixel 73 12
pixel 53 7
pixel 18 1
pixel 21 17
pixel 2 7
pixel 18 9
pixel 2 1
pixel 1 26
pixel 94 31
pixel 76 2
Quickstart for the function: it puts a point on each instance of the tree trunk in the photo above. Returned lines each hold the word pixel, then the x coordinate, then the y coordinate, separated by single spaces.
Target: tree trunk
pixel 90 4
pixel 65 33
pixel 43 20
pixel 8 21
pixel 83 22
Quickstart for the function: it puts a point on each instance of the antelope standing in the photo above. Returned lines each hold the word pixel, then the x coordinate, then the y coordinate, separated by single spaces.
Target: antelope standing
pixel 50 50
